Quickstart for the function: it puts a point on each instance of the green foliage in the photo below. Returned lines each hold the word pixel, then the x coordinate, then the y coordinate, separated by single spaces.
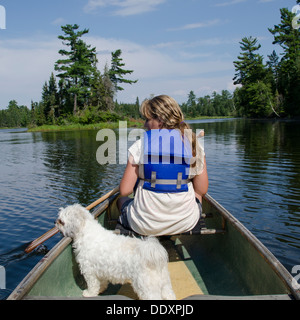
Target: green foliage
pixel 249 67
pixel 220 105
pixel 129 110
pixel 272 88
pixel 116 72
pixel 90 116
pixel 76 70
pixel 15 116
pixel 289 67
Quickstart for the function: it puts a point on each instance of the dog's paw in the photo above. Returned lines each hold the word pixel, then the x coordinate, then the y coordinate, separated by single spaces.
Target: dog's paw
pixel 88 294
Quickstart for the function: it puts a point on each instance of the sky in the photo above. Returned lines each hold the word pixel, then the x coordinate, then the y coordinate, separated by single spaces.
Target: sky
pixel 173 46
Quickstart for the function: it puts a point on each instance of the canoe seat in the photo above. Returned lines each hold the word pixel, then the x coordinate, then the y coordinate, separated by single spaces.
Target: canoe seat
pixel 199 229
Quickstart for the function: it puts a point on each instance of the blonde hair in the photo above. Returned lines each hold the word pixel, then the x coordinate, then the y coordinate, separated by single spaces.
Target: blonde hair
pixel 165 109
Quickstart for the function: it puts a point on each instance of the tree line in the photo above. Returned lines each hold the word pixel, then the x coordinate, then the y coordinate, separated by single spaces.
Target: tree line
pixel 221 105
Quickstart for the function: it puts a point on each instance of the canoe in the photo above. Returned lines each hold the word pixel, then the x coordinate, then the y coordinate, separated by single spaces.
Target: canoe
pixel 224 261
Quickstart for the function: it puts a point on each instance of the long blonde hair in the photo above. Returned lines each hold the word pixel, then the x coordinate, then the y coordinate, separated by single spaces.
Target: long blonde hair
pixel 165 109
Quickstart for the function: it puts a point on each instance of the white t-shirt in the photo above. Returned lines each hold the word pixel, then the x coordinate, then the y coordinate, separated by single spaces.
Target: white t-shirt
pixel 153 213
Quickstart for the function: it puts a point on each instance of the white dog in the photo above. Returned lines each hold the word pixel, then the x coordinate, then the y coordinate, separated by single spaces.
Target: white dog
pixel 105 257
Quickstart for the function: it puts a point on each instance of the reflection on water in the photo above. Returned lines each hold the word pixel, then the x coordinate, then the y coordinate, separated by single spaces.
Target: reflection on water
pixel 253 170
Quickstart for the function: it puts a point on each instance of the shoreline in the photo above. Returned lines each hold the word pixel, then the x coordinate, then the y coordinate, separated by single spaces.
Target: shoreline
pixel 78 126
pixel 132 123
pixel 102 125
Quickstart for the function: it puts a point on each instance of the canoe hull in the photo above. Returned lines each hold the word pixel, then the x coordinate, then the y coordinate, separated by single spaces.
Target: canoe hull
pixel 229 265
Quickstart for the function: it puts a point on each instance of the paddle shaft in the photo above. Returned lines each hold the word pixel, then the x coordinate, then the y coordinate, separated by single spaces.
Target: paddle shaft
pixel 37 242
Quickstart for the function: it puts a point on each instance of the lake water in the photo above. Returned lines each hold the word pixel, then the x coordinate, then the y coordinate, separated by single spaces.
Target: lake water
pixel 253 167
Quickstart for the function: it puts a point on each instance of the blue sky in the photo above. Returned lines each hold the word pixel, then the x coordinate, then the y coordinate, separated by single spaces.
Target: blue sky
pixel 173 46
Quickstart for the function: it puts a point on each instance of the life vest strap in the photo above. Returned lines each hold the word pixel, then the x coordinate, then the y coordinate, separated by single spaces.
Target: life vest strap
pixel 178 182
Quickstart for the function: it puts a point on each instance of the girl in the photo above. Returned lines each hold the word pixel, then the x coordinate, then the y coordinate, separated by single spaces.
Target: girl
pixel 167 200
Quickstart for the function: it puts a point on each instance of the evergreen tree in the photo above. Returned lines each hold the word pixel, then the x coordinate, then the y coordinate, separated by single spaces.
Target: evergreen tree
pixel 77 68
pixel 116 72
pixel 191 100
pixel 255 95
pixel 37 114
pixel 108 90
pixel 50 100
pixel 249 67
pixel 289 67
pixel 273 65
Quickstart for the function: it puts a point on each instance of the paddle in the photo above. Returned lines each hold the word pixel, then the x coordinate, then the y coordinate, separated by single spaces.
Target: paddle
pixel 35 243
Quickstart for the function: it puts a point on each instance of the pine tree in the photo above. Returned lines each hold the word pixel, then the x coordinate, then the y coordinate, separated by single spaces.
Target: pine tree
pixel 249 67
pixel 50 100
pixel 76 70
pixel 108 90
pixel 273 65
pixel 102 91
pixel 254 98
pixel 191 100
pixel 289 67
pixel 116 72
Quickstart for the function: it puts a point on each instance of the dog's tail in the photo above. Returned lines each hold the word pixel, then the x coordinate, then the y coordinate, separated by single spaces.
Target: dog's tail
pixel 153 253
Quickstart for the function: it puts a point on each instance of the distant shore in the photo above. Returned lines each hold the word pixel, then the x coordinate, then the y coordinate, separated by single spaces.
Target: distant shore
pixel 132 123
pixel 103 125
pixel 78 126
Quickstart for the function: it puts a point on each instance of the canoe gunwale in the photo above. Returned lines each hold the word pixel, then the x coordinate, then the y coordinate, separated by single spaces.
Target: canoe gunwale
pixel 27 283
pixel 274 263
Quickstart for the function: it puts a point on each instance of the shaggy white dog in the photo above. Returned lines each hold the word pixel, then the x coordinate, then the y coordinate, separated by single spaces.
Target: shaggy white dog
pixel 105 257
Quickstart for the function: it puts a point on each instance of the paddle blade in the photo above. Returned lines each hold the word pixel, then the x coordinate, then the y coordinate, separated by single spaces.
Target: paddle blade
pixel 41 239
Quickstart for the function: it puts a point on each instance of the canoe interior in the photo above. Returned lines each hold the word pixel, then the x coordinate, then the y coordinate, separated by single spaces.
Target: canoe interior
pixel 217 265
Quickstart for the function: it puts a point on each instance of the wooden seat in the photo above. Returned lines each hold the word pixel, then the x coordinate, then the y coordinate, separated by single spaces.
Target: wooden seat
pixel 200 229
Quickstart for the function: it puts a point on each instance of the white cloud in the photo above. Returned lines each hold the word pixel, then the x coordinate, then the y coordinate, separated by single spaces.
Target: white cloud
pixel 229 3
pixel 168 44
pixel 58 21
pixel 178 88
pixel 149 62
pixel 197 25
pixel 26 64
pixel 124 7
pixel 158 72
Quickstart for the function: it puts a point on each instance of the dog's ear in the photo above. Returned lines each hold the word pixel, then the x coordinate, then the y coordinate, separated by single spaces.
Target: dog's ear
pixel 79 217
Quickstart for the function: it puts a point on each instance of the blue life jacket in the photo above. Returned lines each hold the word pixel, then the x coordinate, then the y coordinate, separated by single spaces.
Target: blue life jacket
pixel 167 158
